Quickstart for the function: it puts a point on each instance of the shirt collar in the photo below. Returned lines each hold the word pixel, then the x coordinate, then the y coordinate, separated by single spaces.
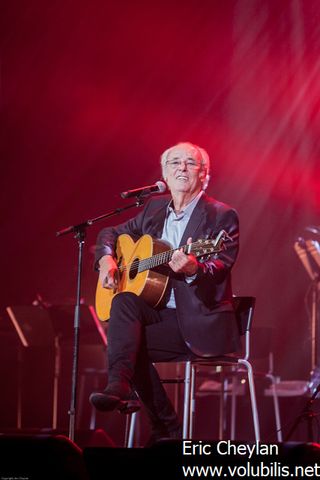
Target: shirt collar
pixel 188 209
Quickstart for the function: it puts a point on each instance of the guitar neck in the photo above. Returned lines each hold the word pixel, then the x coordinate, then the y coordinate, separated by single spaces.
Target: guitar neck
pixel 163 258
pixel 199 248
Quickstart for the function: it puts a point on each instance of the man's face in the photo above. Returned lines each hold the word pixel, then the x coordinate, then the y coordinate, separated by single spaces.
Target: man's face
pixel 183 170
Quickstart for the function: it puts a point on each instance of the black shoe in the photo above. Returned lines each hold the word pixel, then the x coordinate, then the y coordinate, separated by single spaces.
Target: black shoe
pixel 116 396
pixel 129 406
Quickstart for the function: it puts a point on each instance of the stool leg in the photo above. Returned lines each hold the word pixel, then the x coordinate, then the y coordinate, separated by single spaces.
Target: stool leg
pixel 93 419
pixel 233 408
pixel 93 416
pixel 222 406
pixel 192 400
pixel 253 398
pixel 130 429
pixel 276 406
pixel 177 389
pixel 186 400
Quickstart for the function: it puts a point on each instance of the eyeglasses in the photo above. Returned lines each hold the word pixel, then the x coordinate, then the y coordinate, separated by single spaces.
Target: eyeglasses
pixel 190 164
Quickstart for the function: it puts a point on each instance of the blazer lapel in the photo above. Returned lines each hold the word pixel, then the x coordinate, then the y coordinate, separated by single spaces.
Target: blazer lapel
pixel 196 223
pixel 158 221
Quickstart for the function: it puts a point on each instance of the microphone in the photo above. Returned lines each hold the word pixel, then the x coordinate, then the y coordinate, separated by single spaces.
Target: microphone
pixel 158 187
pixel 304 249
pixel 313 229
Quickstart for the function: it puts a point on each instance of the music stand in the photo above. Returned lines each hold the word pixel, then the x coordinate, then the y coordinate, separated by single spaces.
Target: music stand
pixel 34 329
pixel 92 332
pixel 52 327
pixel 309 254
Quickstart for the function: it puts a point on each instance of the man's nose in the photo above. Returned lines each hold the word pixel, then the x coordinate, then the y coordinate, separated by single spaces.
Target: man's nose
pixel 183 164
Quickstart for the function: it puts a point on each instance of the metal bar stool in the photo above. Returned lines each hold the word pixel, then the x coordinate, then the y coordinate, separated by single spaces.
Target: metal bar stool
pixel 244 308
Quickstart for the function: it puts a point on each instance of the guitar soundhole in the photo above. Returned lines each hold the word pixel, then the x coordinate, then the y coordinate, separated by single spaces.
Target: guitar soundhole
pixel 134 269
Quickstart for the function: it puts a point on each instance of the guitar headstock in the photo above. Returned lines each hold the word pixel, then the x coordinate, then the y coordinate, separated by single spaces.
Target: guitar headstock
pixel 209 246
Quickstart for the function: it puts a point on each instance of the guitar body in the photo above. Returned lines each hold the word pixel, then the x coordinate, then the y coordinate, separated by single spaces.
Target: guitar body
pixel 148 284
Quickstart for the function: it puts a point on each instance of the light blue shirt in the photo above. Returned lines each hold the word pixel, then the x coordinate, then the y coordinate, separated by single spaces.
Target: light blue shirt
pixel 173 230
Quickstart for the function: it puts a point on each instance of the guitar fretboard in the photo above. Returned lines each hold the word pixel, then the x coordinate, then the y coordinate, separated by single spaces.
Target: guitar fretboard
pixel 159 259
pixel 199 248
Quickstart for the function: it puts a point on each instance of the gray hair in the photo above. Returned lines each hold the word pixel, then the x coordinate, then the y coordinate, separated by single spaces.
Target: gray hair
pixel 205 160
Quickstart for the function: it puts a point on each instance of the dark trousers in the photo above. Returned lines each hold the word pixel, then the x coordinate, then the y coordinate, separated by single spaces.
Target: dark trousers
pixel 139 335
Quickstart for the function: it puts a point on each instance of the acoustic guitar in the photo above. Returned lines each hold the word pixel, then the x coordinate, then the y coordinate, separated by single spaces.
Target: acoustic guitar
pixel 140 271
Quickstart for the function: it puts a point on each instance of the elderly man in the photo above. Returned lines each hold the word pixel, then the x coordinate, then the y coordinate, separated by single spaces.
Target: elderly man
pixel 195 316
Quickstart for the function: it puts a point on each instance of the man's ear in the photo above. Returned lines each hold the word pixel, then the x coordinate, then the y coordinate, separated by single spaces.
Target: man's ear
pixel 202 174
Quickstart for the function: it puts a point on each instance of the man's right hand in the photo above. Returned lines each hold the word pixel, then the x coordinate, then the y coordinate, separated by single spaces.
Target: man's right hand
pixel 108 272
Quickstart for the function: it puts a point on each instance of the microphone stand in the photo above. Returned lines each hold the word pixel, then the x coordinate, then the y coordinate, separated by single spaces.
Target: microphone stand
pixel 308 414
pixel 80 235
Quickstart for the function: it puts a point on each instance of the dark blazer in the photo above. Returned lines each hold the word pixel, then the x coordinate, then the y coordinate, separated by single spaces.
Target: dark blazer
pixel 200 303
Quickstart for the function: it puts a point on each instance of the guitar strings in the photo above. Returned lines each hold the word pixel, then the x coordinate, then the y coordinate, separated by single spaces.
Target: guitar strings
pixel 158 259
